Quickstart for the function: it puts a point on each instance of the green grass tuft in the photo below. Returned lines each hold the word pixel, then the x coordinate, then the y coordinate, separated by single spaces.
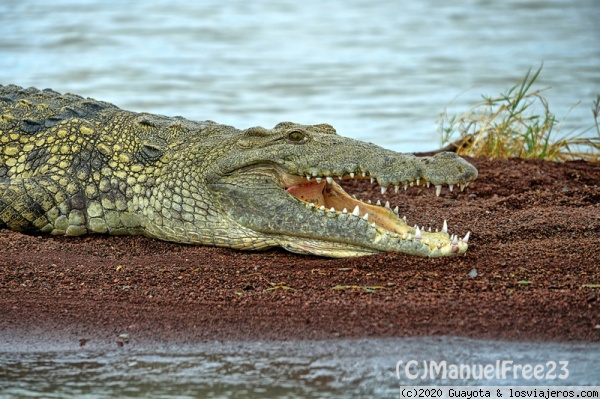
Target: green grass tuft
pixel 517 124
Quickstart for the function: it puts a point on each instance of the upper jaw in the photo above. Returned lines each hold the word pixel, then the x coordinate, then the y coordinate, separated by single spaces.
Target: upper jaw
pixel 398 170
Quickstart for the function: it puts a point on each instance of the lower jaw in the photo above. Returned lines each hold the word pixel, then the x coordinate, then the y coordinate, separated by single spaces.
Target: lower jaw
pixel 325 248
pixel 333 198
pixel 377 242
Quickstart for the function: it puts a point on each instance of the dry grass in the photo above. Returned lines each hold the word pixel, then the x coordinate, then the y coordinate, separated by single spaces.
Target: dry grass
pixel 518 124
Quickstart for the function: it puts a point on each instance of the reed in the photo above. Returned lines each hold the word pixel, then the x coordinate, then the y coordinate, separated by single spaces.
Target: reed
pixel 518 124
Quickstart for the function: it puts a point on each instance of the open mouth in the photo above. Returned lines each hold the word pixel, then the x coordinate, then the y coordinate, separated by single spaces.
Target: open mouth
pixel 328 196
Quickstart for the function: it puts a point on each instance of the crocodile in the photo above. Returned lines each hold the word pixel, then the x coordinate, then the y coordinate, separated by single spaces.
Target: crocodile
pixel 72 166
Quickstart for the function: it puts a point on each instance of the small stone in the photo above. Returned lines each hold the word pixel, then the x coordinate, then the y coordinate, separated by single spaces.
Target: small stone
pixel 473 273
pixel 122 339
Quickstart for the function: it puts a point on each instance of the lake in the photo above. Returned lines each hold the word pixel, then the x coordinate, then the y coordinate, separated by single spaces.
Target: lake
pixel 298 369
pixel 378 71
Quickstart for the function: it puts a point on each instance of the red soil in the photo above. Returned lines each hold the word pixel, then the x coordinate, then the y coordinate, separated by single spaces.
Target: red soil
pixel 534 244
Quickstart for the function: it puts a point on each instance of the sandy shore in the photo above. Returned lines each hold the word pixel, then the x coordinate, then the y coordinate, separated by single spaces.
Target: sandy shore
pixel 535 247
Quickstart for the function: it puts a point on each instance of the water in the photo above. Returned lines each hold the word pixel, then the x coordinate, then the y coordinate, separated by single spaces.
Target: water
pixel 378 71
pixel 304 369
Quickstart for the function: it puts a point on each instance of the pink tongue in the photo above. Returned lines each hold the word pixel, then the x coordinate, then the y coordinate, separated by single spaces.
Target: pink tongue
pixel 309 192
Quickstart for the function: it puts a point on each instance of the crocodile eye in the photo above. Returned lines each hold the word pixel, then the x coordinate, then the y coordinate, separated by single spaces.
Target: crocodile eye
pixel 296 136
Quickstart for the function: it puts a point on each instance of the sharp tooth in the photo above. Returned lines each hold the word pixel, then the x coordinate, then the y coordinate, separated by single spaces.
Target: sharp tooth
pixel 332 210
pixel 312 204
pixel 387 204
pixel 462 186
pixel 396 210
pixel 369 202
pixel 430 229
pixel 373 225
pixel 329 179
pixel 418 234
pixel 412 183
pixel 404 218
pixel 405 186
pixel 366 217
pixel 352 175
pixel 354 196
pixel 345 211
pixel 418 181
pixel 454 241
pixel 451 187
pixel 308 177
pixel 445 227
pixel 378 203
pixel 466 239
pixel 428 184
pixel 340 178
pixel 356 211
pixel 318 179
pixel 322 208
pixel 383 190
pixel 396 188
pixel 372 180
pixel 364 174
pixel 438 190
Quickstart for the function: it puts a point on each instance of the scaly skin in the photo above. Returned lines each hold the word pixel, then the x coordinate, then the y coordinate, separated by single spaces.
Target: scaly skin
pixel 73 166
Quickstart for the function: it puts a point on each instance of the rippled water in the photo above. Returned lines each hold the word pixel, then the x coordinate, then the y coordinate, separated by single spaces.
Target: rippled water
pixel 304 369
pixel 379 71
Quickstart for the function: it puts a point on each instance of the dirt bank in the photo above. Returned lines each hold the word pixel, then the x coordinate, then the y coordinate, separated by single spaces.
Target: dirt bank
pixel 535 246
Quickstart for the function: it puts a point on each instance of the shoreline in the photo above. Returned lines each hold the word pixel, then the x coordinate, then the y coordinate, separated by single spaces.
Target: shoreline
pixel 534 242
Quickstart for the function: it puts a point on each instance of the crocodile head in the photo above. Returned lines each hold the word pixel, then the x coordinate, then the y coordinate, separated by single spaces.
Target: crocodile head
pixel 279 187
